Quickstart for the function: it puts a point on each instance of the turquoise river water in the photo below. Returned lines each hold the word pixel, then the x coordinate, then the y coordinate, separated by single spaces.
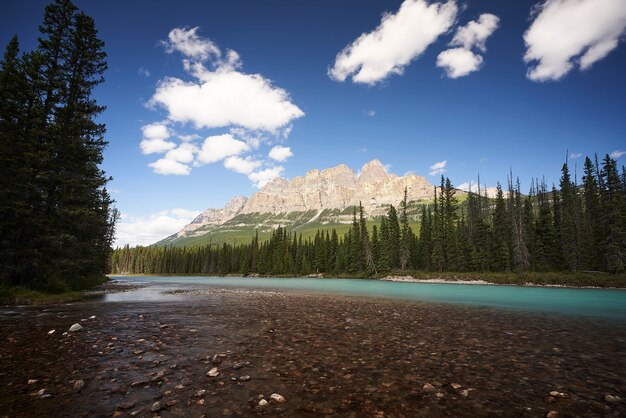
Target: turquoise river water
pixel 600 303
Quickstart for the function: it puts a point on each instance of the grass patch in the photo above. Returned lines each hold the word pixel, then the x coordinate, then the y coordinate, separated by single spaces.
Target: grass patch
pixel 58 291
pixel 22 296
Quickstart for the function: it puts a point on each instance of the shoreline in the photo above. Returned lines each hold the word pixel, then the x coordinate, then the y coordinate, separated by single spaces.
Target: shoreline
pixel 500 279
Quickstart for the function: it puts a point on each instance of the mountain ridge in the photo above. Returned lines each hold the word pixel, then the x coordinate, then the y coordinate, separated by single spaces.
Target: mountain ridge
pixel 320 197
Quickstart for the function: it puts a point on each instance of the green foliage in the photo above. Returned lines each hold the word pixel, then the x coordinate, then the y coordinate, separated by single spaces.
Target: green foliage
pixel 56 215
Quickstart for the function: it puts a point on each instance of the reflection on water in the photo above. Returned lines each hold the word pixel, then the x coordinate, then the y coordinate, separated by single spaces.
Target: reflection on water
pixel 587 302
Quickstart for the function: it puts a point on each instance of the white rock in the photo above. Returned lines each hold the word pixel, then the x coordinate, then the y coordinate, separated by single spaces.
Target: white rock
pixel 78 385
pixel 277 397
pixel 213 372
pixel 92 317
pixel 32 381
pixel 52 331
pixel 76 327
pixel 263 403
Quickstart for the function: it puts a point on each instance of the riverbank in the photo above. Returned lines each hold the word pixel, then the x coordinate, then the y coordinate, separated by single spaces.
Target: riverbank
pixel 548 279
pixel 22 296
pixel 224 352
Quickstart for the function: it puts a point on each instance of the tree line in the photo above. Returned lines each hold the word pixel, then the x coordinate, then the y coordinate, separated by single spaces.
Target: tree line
pixel 56 217
pixel 575 227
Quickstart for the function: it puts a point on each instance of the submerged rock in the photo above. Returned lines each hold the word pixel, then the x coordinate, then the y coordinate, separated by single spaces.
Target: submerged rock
pixel 155 406
pixel 78 385
pixel 213 372
pixel 277 397
pixel 76 327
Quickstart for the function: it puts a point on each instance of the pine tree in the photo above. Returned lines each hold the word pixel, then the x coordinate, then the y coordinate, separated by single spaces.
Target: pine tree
pixel 366 247
pixel 406 239
pixel 501 242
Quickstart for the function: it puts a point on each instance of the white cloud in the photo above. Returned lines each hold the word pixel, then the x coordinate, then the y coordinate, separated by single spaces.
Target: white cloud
pixel 144 72
pixel 150 229
pixel 227 98
pixel 399 39
pixel 250 109
pixel 575 155
pixel 569 33
pixel 280 153
pixel 438 168
pixel 216 148
pixel 241 165
pixel 261 178
pixel 617 153
pixel 370 113
pixel 221 96
pixel 476 32
pixel 461 61
pixel 189 138
pixel 187 42
pixel 166 166
pixel 184 153
pixel 155 137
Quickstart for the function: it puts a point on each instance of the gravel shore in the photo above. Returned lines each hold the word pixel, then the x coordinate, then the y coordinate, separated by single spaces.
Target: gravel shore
pixel 228 352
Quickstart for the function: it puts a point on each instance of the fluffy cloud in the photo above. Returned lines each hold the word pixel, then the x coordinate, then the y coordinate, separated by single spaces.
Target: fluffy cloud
pixel 184 153
pixel 461 60
pixel 155 137
pixel 617 153
pixel 399 39
pixel 166 167
pixel 370 113
pixel 187 42
pixel 569 33
pixel 221 95
pixel 438 168
pixel 280 153
pixel 150 229
pixel 241 165
pixel 249 108
pixel 261 178
pixel 216 148
pixel 476 32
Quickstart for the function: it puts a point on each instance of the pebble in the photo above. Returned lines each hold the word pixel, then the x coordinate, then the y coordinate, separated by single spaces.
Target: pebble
pixel 41 392
pixel 553 414
pixel 428 387
pixel 263 403
pixel 76 327
pixel 52 331
pixel 213 372
pixel 92 317
pixel 612 399
pixel 125 405
pixel 155 406
pixel 277 397
pixel 46 396
pixel 78 385
pixel 244 378
pixel 455 386
pixel 32 381
pixel 200 393
pixel 440 395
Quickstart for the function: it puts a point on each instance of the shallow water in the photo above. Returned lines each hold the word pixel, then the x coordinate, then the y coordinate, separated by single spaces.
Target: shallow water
pixel 599 303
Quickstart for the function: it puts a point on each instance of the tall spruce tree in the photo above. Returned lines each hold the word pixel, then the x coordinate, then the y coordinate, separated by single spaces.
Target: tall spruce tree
pixel 65 228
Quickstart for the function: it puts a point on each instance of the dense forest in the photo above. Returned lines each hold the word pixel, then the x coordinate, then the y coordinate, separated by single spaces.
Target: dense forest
pixel 575 227
pixel 56 217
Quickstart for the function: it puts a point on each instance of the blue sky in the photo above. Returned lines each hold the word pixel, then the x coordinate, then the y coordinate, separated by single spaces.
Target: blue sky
pixel 484 109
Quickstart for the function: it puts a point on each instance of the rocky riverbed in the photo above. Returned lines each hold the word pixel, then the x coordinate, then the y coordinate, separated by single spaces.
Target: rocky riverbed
pixel 225 352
